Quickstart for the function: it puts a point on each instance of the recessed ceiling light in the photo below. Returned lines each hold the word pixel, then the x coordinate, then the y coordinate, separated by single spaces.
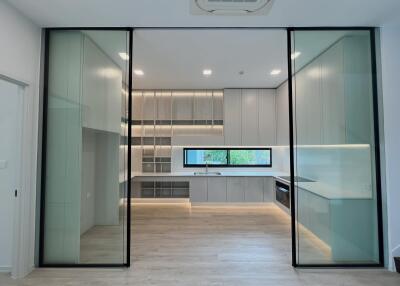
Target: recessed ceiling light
pixel 124 56
pixel 138 72
pixel 207 72
pixel 295 55
pixel 275 72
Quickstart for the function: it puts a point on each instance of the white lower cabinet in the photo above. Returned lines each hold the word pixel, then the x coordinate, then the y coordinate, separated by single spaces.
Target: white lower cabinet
pixel 254 189
pixel 235 189
pixel 231 189
pixel 269 191
pixel 198 190
pixel 216 189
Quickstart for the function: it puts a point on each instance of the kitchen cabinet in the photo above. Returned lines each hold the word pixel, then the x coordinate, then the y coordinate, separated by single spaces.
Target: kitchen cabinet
pixel 267 117
pixel 269 189
pixel 250 127
pixel 101 89
pixel 198 190
pixel 235 188
pixel 282 115
pixel 250 117
pixel 233 117
pixel 182 106
pixel 216 189
pixel 332 95
pixel 308 104
pixel 331 106
pixel 203 106
pixel 254 189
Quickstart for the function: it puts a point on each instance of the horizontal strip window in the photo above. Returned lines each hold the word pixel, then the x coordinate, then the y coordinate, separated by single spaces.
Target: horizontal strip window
pixel 227 157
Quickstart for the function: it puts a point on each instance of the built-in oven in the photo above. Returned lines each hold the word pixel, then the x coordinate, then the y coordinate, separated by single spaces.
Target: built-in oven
pixel 282 193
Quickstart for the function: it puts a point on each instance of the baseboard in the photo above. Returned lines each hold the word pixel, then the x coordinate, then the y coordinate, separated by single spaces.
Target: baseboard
pixel 5 269
pixel 161 201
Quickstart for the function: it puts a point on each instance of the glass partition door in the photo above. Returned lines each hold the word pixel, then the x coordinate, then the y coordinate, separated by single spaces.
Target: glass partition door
pixel 86 152
pixel 337 214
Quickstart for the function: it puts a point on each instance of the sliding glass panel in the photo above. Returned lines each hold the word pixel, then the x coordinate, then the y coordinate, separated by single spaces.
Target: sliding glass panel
pixel 85 169
pixel 336 213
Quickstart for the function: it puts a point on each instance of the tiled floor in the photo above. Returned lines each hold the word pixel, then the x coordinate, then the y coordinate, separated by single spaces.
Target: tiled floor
pixel 178 245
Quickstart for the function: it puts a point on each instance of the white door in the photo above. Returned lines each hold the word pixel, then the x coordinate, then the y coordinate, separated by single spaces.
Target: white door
pixel 10 154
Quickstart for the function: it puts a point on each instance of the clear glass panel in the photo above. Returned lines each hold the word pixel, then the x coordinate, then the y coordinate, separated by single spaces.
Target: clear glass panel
pixel 86 148
pixel 336 213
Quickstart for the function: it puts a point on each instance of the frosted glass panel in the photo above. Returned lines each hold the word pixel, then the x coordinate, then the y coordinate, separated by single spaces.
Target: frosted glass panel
pixel 86 129
pixel 336 213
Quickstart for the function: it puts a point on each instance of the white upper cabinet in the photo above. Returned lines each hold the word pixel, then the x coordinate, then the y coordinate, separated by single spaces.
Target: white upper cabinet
pixel 101 89
pixel 250 128
pixel 333 102
pixel 282 115
pixel 250 117
pixel 233 117
pixel 308 104
pixel 267 117
pixel 331 106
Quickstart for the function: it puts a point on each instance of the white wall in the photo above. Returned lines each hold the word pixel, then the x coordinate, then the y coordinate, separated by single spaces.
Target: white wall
pixel 20 42
pixel 390 43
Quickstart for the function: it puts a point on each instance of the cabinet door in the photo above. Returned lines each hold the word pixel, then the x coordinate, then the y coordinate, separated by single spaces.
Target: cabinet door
pixel 182 105
pixel 282 115
pixel 250 117
pixel 232 117
pixel 308 104
pixel 101 92
pixel 216 189
pixel 235 189
pixel 334 123
pixel 203 105
pixel 267 117
pixel 198 190
pixel 269 190
pixel 254 189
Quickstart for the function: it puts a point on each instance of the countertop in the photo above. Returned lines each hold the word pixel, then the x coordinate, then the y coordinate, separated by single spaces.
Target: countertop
pixel 318 188
pixel 331 192
pixel 223 174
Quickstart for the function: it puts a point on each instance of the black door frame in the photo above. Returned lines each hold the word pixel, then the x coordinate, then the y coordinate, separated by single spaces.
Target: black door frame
pixel 289 31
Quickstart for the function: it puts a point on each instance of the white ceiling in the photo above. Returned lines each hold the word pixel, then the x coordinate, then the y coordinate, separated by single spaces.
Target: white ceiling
pixel 161 13
pixel 176 58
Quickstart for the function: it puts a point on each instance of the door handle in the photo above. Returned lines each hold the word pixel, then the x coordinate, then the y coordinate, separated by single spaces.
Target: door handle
pixel 16 193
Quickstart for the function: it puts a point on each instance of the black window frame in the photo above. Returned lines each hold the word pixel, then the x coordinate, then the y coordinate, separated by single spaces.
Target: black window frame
pixel 227 165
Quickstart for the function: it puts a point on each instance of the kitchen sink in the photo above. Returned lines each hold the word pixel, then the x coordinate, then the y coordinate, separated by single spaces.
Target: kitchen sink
pixel 207 173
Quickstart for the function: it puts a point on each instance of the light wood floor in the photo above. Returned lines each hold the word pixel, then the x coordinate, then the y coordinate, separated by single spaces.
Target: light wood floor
pixel 178 245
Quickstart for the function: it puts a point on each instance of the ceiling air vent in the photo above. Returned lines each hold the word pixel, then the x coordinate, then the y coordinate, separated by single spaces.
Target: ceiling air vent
pixel 231 7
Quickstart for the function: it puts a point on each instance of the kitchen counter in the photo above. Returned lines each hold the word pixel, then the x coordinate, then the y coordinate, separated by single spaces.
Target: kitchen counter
pixel 330 192
pixel 223 174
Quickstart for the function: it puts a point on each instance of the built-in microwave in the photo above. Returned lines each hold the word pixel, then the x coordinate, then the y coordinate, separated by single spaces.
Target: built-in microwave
pixel 282 193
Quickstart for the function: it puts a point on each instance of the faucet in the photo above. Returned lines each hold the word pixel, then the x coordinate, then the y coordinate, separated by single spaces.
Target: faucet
pixel 207 157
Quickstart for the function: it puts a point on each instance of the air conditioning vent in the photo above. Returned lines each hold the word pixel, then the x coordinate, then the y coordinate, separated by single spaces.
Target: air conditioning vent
pixel 231 7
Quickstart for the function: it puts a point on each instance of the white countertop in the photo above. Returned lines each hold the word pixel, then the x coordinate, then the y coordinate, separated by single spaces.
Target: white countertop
pixel 318 188
pixel 223 174
pixel 334 193
pixel 331 192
